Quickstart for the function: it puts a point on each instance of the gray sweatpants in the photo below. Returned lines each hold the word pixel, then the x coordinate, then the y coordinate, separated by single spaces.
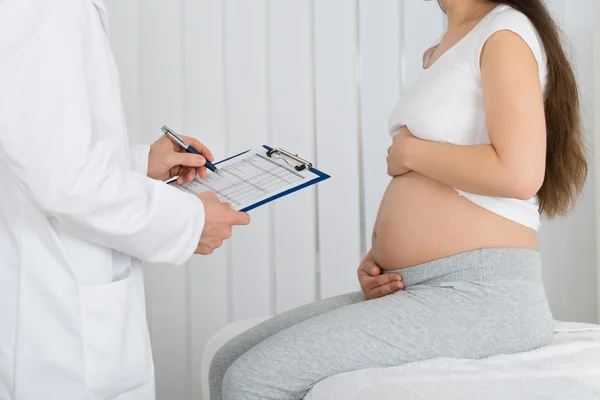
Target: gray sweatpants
pixel 471 305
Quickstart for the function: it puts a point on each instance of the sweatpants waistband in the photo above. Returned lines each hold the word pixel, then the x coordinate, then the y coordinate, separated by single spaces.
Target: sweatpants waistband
pixel 483 265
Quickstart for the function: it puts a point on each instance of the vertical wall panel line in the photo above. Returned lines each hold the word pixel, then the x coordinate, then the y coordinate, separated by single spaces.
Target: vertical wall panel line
pixel 597 150
pixel 337 136
pixel 188 281
pixel 318 288
pixel 359 122
pixel 247 103
pixel 269 96
pixel 402 49
pixel 228 249
pixel 149 297
pixel 189 362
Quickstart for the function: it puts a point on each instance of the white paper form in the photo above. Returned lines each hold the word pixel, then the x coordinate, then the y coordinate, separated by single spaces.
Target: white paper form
pixel 249 179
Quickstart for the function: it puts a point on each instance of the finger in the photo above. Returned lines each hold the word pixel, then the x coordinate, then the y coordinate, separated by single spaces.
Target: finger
pixel 365 277
pixel 374 271
pixel 203 250
pixel 184 174
pixel 366 266
pixel 201 171
pixel 385 279
pixel 361 272
pixel 216 244
pixel 370 269
pixel 200 147
pixel 191 174
pixel 186 160
pixel 371 283
pixel 384 290
pixel 367 282
pixel 174 171
pixel 240 218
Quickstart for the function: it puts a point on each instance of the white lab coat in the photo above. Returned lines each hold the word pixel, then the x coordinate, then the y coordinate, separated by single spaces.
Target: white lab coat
pixel 77 212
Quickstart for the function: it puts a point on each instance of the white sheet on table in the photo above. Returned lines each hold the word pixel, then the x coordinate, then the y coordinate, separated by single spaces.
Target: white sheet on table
pixel 567 369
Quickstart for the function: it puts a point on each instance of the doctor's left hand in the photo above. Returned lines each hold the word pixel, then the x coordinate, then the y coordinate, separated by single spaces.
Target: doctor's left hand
pixel 167 159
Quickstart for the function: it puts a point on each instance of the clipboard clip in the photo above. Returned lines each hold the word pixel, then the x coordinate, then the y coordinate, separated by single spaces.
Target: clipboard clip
pixel 301 164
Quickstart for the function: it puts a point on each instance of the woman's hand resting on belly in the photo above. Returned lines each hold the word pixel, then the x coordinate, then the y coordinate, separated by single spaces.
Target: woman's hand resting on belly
pixel 373 283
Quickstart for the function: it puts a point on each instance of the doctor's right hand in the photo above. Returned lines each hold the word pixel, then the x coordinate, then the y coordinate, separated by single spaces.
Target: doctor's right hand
pixel 219 218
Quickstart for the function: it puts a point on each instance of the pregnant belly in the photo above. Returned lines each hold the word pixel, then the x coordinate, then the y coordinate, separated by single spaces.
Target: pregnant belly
pixel 421 220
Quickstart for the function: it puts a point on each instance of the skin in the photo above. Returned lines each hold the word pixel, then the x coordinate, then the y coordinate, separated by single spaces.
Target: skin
pixel 373 283
pixel 167 159
pixel 511 166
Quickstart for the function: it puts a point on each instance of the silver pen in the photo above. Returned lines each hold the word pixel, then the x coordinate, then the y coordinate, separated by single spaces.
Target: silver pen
pixel 189 149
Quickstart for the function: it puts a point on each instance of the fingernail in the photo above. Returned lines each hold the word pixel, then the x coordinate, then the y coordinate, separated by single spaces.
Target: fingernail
pixel 400 286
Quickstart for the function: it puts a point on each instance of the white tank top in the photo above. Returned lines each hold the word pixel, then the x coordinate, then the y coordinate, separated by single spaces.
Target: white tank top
pixel 446 103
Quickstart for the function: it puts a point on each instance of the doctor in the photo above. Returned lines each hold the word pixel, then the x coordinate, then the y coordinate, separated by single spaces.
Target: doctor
pixel 79 207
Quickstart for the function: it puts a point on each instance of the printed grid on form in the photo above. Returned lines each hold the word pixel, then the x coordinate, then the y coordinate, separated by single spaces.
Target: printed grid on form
pixel 247 180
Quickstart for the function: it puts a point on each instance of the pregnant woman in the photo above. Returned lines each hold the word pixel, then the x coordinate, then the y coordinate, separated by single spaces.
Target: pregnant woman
pixel 486 139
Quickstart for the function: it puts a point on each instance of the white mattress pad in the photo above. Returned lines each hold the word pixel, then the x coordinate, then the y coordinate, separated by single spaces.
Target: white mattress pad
pixel 569 368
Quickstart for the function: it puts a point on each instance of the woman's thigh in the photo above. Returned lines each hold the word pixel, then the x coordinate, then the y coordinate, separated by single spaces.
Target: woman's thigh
pixel 460 320
pixel 239 345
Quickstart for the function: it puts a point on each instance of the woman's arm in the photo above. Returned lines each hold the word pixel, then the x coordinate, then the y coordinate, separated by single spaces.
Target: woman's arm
pixel 513 165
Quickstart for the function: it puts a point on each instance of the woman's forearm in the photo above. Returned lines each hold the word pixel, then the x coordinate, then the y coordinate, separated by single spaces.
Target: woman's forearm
pixel 475 169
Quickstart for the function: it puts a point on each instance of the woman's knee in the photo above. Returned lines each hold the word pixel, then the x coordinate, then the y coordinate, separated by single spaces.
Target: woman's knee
pixel 254 376
pixel 221 361
pixel 238 381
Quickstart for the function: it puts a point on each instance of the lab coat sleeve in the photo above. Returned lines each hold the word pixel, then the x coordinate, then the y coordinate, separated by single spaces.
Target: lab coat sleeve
pixel 139 157
pixel 51 135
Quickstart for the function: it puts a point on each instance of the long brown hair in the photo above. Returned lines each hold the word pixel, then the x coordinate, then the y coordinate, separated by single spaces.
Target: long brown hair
pixel 566 165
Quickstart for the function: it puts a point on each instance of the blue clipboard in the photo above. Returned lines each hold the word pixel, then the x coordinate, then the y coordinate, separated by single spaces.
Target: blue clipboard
pixel 320 176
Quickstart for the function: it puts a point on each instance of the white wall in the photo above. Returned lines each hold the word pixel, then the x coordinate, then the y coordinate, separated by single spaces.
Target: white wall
pixel 596 112
pixel 318 77
pixel 568 245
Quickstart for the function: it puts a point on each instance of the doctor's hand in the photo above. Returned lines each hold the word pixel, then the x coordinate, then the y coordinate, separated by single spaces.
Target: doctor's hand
pixel 398 153
pixel 219 219
pixel 375 284
pixel 167 159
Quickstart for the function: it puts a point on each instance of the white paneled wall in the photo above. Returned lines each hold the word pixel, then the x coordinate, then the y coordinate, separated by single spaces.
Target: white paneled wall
pixel 337 138
pixel 209 288
pixel 568 245
pixel 292 123
pixel 319 78
pixel 596 113
pixel 596 108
